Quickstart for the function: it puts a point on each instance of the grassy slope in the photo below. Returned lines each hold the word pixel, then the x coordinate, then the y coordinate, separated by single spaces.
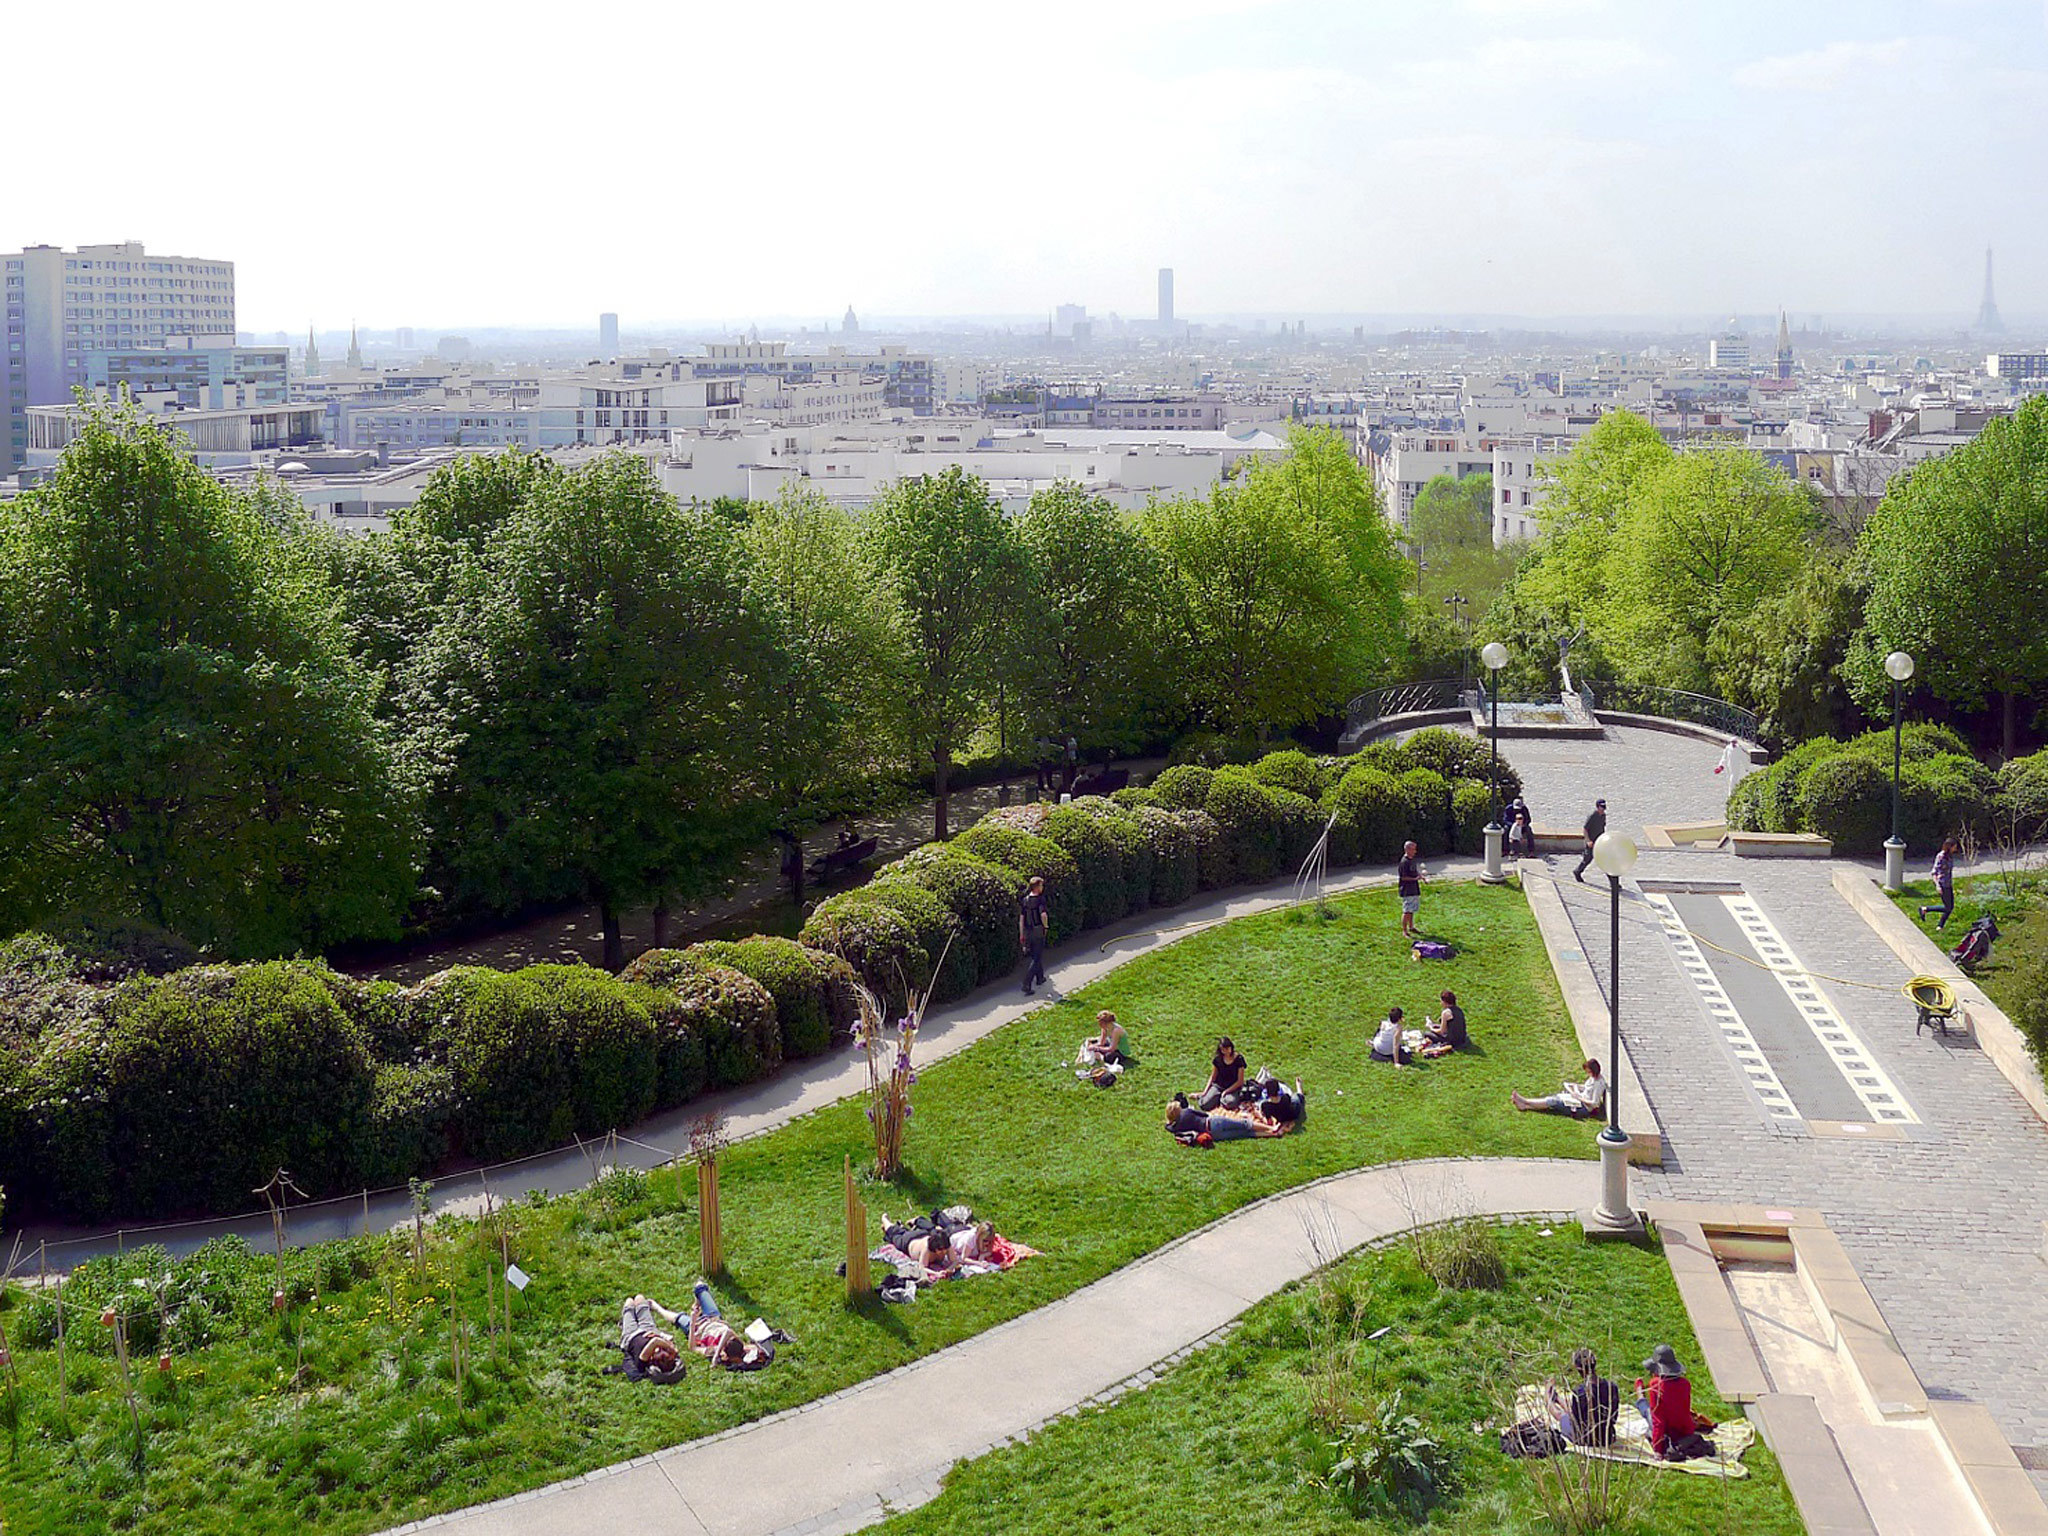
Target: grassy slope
pixel 1228 1430
pixel 1085 1175
pixel 1976 895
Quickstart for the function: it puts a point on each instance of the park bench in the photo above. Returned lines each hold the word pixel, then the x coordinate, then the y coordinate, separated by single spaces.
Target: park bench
pixel 1106 781
pixel 839 860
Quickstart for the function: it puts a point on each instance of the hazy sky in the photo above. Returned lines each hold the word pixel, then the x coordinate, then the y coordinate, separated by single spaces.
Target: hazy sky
pixel 438 164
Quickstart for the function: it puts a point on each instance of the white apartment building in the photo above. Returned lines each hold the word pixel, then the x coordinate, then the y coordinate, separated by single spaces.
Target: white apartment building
pixel 549 413
pixel 233 438
pixel 60 306
pixel 821 398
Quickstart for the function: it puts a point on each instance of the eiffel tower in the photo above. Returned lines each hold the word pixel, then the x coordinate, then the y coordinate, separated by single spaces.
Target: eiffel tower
pixel 1987 312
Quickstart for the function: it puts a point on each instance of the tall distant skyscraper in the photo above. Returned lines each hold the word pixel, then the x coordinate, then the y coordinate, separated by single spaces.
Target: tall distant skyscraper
pixel 1166 296
pixel 1987 312
pixel 62 306
pixel 608 335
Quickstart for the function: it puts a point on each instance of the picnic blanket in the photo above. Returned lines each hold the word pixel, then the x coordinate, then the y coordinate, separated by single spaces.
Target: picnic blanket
pixel 1003 1254
pixel 1632 1439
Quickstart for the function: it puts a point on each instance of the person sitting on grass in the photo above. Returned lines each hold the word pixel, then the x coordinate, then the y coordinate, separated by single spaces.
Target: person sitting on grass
pixel 1575 1099
pixel 1676 1432
pixel 1386 1042
pixel 1109 1044
pixel 651 1354
pixel 716 1339
pixel 1226 1076
pixel 1586 1417
pixel 1448 1033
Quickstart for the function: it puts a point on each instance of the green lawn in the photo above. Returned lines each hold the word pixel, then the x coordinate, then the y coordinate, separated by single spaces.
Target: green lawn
pixel 371 1434
pixel 1227 1435
pixel 2017 905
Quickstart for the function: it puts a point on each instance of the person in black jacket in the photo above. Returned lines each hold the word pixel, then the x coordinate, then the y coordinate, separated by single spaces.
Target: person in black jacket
pixel 1595 825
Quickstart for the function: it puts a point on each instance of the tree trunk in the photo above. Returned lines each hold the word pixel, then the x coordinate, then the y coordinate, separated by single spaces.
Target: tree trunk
pixel 2012 703
pixel 661 923
pixel 942 770
pixel 614 941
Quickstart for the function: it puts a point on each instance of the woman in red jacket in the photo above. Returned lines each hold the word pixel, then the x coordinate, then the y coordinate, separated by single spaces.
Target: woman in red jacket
pixel 1676 1432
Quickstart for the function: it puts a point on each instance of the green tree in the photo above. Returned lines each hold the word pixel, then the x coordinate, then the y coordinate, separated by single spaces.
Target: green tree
pixel 1585 495
pixel 183 734
pixel 951 564
pixel 825 703
pixel 1787 662
pixel 1089 663
pixel 1957 555
pixel 1704 538
pixel 1283 593
pixel 600 669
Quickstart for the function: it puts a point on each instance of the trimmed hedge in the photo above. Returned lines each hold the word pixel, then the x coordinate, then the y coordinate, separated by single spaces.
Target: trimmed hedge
pixel 123 1092
pixel 2023 798
pixel 812 991
pixel 1842 790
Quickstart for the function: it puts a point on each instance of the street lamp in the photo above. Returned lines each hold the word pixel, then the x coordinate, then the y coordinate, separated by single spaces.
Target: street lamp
pixel 1898 667
pixel 1615 853
pixel 1495 656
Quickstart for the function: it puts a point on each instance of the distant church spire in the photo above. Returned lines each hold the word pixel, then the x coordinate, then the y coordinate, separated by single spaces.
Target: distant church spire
pixel 1784 346
pixel 851 324
pixel 1987 312
pixel 355 351
pixel 312 355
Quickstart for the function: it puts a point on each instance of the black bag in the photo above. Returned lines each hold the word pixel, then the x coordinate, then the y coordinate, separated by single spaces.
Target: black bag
pixel 1689 1447
pixel 1530 1438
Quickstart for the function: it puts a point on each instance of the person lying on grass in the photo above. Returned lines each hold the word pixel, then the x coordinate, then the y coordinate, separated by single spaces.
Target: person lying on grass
pixel 651 1354
pixel 1276 1102
pixel 717 1340
pixel 1189 1124
pixel 1575 1099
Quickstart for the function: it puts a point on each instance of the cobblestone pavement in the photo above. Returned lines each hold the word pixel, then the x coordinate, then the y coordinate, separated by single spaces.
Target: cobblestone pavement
pixel 1646 777
pixel 1945 1223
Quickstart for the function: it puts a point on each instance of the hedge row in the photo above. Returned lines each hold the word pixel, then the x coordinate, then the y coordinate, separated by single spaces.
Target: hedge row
pixel 1195 829
pixel 161 1095
pixel 135 1082
pixel 1843 791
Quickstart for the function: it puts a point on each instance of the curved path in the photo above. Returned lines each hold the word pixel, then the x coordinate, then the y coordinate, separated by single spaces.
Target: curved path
pixel 883 1445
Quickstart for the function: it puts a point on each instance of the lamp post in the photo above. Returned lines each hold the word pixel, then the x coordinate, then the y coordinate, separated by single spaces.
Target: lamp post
pixel 1615 853
pixel 1898 667
pixel 1495 656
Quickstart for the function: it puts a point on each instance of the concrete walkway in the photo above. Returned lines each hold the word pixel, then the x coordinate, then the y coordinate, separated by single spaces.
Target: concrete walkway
pixel 799 1089
pixel 847 1460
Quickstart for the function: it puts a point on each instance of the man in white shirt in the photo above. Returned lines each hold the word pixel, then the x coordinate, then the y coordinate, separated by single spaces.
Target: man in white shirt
pixel 1579 1100
pixel 1386 1040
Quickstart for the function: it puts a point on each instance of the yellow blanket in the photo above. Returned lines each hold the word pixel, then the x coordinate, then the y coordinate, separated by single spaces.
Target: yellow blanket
pixel 1632 1439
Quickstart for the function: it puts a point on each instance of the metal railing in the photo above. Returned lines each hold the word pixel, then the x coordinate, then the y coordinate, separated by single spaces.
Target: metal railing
pixel 1403 699
pixel 1673 704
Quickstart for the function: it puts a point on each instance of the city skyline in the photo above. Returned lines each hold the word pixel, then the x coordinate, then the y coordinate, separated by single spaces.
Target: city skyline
pixel 1284 157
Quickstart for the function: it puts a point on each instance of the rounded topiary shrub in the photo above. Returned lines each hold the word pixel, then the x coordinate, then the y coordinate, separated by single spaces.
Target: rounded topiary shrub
pixel 682 1032
pixel 1389 757
pixel 1848 801
pixel 1099 856
pixel 1132 796
pixel 607 1042
pixel 1947 795
pixel 875 939
pixel 1309 777
pixel 2023 798
pixel 941 934
pixel 1429 809
pixel 502 1042
pixel 1265 829
pixel 734 1017
pixel 1208 749
pixel 1471 810
pixel 1184 787
pixel 411 1125
pixel 216 1078
pixel 1172 838
pixel 1372 817
pixel 1128 833
pixel 812 990
pixel 984 897
pixel 1453 755
pixel 1001 841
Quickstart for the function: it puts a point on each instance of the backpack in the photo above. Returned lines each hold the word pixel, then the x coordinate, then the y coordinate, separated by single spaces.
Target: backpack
pixel 1531 1438
pixel 1432 949
pixel 1690 1447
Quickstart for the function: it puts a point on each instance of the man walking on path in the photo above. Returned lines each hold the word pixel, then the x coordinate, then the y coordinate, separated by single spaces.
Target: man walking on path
pixel 1595 825
pixel 1731 757
pixel 1031 921
pixel 1409 872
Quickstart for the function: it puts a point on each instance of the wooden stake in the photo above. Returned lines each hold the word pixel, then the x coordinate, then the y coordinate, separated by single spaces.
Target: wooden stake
pixel 710 1220
pixel 858 1279
pixel 63 1377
